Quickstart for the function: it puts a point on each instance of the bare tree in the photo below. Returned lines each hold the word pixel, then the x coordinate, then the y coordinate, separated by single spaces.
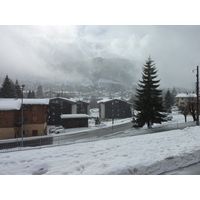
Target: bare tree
pixel 184 110
pixel 192 107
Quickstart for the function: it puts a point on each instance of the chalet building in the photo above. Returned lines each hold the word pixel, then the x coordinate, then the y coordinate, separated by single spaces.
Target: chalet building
pixel 74 120
pixel 182 99
pixel 49 94
pixel 114 108
pixel 59 106
pixel 83 107
pixel 34 117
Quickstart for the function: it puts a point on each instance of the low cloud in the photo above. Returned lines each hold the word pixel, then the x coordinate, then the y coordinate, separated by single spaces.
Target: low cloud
pixel 40 50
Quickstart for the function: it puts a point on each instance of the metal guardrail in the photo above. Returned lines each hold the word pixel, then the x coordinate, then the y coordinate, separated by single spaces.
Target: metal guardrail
pixel 28 143
pixel 57 140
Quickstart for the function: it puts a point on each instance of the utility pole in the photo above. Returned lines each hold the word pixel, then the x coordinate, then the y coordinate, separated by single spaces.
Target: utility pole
pixel 197 96
pixel 22 118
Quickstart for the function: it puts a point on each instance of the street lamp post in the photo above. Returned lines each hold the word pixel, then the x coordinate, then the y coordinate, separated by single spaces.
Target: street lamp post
pixel 22 118
pixel 197 95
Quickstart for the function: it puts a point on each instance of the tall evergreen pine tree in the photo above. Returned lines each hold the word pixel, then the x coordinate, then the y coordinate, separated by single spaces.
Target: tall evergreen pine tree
pixel 169 100
pixel 8 89
pixel 149 102
pixel 18 91
pixel 39 92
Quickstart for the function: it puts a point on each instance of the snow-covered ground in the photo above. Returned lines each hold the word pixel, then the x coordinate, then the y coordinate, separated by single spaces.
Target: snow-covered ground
pixel 177 118
pixel 143 154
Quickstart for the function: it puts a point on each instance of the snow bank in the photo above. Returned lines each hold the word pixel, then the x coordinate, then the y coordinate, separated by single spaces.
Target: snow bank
pixel 145 154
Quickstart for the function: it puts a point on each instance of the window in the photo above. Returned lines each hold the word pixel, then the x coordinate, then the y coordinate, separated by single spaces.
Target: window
pixel 34 118
pixel 24 107
pixel 3 121
pixel 20 119
pixel 34 132
pixel 34 108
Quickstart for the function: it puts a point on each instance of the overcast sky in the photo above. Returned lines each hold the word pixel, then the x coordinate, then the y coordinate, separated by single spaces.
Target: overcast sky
pixel 36 50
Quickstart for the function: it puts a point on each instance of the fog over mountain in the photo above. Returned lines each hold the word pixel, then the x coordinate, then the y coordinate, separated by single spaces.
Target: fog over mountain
pixel 117 53
pixel 118 70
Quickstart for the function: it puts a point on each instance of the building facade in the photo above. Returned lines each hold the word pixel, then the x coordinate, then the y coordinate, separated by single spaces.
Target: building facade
pixel 183 99
pixel 83 107
pixel 35 112
pixel 74 120
pixel 59 106
pixel 114 109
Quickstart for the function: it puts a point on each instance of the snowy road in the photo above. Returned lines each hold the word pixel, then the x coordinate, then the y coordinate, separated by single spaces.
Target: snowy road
pixel 121 130
pixel 92 134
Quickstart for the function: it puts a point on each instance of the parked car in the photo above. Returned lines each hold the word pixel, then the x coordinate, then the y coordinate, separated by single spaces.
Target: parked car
pixel 168 117
pixel 56 130
pixel 59 130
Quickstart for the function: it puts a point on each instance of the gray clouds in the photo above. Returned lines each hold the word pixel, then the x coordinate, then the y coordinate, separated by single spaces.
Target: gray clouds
pixel 39 50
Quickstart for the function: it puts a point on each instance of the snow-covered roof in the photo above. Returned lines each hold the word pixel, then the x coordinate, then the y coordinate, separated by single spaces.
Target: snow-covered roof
pixel 10 104
pixel 36 101
pixel 83 101
pixel 107 100
pixel 80 99
pixel 69 116
pixel 65 99
pixel 15 104
pixel 185 95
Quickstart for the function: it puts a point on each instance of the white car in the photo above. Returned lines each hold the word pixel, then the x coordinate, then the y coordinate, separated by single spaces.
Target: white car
pixel 57 130
pixel 168 117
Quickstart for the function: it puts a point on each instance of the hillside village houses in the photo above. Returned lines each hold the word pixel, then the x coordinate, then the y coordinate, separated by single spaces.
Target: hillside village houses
pixel 51 94
pixel 39 113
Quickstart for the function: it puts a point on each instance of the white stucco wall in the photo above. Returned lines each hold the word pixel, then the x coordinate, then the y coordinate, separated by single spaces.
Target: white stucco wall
pixel 102 114
pixel 74 109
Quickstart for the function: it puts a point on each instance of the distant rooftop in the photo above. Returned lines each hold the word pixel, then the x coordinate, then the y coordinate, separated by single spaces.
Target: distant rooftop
pixel 186 95
pixel 107 100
